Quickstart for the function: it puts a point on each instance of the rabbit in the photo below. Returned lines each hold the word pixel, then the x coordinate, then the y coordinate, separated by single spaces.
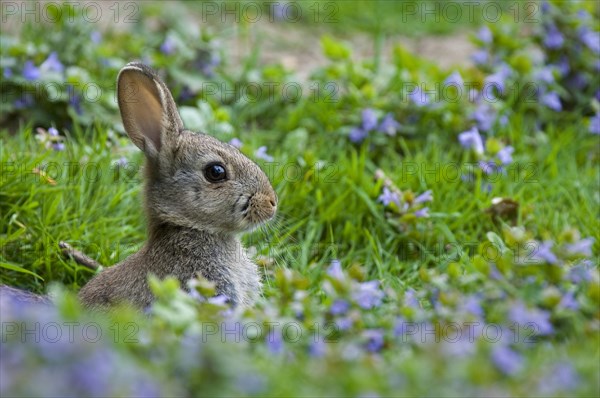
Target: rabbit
pixel 200 195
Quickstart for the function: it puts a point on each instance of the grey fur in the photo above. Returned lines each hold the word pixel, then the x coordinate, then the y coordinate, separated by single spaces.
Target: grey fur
pixel 194 225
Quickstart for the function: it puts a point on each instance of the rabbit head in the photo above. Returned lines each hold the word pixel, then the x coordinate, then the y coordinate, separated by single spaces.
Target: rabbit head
pixel 192 179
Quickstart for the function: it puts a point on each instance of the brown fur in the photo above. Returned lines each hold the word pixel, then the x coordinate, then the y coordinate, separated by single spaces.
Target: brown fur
pixel 193 224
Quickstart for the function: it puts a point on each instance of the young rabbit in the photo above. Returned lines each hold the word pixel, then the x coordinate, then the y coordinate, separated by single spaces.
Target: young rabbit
pixel 200 194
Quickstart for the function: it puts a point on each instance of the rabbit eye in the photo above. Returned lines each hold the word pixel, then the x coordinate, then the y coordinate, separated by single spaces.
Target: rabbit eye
pixel 215 172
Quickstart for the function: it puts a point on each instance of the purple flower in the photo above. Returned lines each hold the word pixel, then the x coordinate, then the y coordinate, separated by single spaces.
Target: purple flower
pixel 235 142
pixel 261 153
pixel 544 253
pixel 96 37
pixel 569 302
pixel 274 342
pixel 7 73
pixel 554 39
pixel 122 162
pixel 59 146
pixel 505 155
pixel 472 305
pixel 563 66
pixel 52 64
pixel 168 46
pixel 374 339
pixel 410 299
pixel 317 348
pixel 424 197
pixel 422 213
pixel 339 307
pixel 485 35
pixel 53 132
pixel 369 119
pixel 498 79
pixel 471 139
pixel 552 101
pixel 580 248
pixel 540 319
pixel 595 124
pixel 344 323
pixel 484 115
pixel 357 135
pixel 590 38
pixel 368 295
pixel 220 299
pixel 480 57
pixel 388 196
pixel 581 272
pixel 30 71
pixel 488 167
pixel 388 125
pixel 24 102
pixel 545 75
pixel 506 360
pixel 418 97
pixel 455 79
pixel 335 270
pixel 562 377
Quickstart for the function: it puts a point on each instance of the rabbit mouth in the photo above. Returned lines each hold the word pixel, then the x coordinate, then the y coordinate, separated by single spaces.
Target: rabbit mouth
pixel 257 209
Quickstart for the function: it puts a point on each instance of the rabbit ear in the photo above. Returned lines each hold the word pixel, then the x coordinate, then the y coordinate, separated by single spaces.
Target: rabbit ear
pixel 147 108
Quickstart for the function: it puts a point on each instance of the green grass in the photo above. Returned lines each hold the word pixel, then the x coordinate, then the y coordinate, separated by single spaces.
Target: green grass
pixel 323 215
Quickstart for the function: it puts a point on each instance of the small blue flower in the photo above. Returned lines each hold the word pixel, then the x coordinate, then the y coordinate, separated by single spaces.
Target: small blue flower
pixel 58 146
pixel 480 57
pixel 274 342
pixel 595 124
pixel 562 377
pixel 375 340
pixel 235 142
pixel 523 316
pixel 563 66
pixel 545 75
pixel 506 360
pixel 554 39
pixel 552 101
pixel 96 37
pixel 581 272
pixel 485 35
pixel 454 79
pixel 30 71
pixel 422 213
pixel 424 197
pixel 7 73
pixel 369 119
pixel 335 270
pixel 590 38
pixel 389 125
pixel 339 307
pixel 569 302
pixel 485 116
pixel 418 97
pixel 357 135
pixel 498 79
pixel 168 46
pixel 261 153
pixel 580 248
pixel 317 348
pixel 53 132
pixel 410 299
pixel 388 196
pixel 52 64
pixel 505 155
pixel 471 139
pixel 368 295
pixel 472 305
pixel 544 253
